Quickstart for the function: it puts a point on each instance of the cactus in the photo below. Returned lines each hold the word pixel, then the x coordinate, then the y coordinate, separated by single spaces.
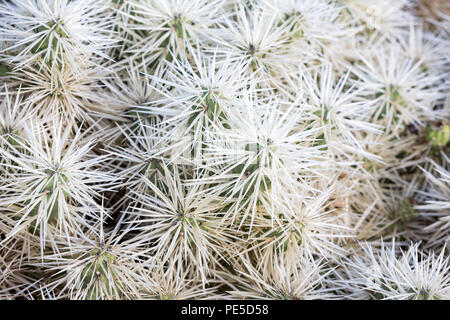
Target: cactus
pixel 190 149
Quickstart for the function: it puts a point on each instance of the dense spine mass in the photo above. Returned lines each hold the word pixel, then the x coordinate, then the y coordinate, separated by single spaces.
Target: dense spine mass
pixel 224 149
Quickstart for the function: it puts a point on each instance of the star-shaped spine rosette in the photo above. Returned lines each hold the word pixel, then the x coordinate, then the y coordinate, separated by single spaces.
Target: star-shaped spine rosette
pixel 51 178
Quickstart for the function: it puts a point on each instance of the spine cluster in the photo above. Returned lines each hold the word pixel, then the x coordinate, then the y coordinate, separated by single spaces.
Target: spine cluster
pixel 224 149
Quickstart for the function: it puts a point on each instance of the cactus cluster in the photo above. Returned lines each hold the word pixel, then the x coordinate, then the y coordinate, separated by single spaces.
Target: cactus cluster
pixel 224 149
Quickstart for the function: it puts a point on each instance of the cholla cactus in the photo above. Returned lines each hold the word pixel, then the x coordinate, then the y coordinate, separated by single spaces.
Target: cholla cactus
pixel 16 279
pixel 98 265
pixel 301 280
pixel 182 149
pixel 49 177
pixel 411 275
